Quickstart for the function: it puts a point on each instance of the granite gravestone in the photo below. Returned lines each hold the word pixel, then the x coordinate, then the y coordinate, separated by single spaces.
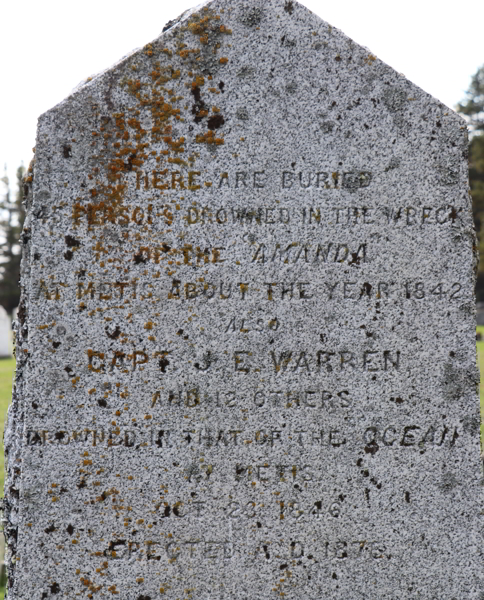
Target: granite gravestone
pixel 246 341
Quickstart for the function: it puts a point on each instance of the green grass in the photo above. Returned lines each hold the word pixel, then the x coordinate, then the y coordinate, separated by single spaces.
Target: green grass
pixel 480 359
pixel 7 368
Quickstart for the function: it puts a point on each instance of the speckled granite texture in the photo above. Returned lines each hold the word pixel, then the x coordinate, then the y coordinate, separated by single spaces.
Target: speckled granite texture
pixel 246 343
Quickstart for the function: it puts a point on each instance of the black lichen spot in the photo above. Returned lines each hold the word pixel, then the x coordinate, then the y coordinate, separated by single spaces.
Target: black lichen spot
pixel 221 86
pixel 365 290
pixel 165 247
pixel 283 566
pixel 266 550
pixel 115 334
pixel 54 588
pixel 144 597
pixel 359 462
pixel 163 362
pixel 35 405
pixel 199 105
pixel 50 529
pixel 407 497
pixel 179 332
pixel 102 403
pixel 71 242
pixel 82 484
pixel 66 151
pixel 36 256
pixel 139 258
pixel 70 529
pixel 60 435
pixel 335 576
pixel 56 344
pixel 129 165
pixel 68 255
pixel 289 7
pixel 215 122
pixel 372 448
pixel 167 511
pixel 454 214
pixel 355 259
pixel 259 525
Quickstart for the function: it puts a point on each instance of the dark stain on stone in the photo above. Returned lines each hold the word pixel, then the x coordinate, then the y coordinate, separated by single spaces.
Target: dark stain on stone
pixel 71 242
pixel 355 259
pixel 56 344
pixel 252 16
pixel 129 165
pixel 66 151
pixel 102 403
pixel 164 362
pixel 36 256
pixel 50 529
pixel 199 105
pixel 289 7
pixel 221 86
pixel 68 255
pixel 215 122
pixel 372 448
pixel 115 334
pixel 60 435
pixel 54 588
pixel 139 258
pixel 70 529
pixel 365 290
pixel 407 497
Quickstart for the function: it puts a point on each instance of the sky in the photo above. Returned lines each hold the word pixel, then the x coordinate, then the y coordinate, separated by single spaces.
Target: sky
pixel 47 47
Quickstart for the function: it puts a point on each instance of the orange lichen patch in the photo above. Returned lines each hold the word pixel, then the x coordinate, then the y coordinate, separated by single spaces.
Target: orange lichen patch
pixel 224 60
pixel 178 161
pixel 186 52
pixel 148 325
pixel 209 138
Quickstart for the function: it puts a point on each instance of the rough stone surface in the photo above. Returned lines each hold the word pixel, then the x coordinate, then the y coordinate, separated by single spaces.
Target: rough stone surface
pixel 246 342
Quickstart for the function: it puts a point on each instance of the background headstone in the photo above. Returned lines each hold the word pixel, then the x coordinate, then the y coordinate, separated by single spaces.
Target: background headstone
pixel 246 341
pixel 5 334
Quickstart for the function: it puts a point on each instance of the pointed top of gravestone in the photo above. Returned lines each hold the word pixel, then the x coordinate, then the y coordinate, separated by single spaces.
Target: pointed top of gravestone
pixel 272 72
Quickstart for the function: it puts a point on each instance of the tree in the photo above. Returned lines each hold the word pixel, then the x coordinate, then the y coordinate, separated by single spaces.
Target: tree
pixel 12 216
pixel 473 105
pixel 473 108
